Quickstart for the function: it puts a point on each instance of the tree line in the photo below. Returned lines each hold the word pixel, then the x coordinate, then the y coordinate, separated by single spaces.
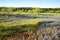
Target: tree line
pixel 30 10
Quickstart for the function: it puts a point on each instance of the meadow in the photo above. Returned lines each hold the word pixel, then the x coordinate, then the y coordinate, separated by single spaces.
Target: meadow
pixel 32 23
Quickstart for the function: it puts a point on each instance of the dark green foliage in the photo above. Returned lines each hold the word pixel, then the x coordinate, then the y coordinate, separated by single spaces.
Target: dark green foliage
pixel 30 10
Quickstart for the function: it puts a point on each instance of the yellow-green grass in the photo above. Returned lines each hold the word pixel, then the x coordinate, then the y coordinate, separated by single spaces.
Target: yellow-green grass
pixel 33 13
pixel 24 22
pixel 25 13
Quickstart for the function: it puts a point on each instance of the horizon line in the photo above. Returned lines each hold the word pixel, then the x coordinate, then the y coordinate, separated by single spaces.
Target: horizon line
pixel 28 7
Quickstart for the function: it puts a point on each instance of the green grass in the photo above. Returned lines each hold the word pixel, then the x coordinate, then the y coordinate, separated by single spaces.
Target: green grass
pixel 24 21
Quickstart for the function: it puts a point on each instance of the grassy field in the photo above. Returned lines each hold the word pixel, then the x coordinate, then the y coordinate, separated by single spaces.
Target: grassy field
pixel 25 23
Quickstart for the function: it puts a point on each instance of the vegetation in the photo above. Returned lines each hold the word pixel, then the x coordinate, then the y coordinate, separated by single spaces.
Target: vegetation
pixel 30 10
pixel 14 24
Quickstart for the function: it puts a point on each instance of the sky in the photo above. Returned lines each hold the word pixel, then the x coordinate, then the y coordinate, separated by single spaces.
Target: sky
pixel 30 3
